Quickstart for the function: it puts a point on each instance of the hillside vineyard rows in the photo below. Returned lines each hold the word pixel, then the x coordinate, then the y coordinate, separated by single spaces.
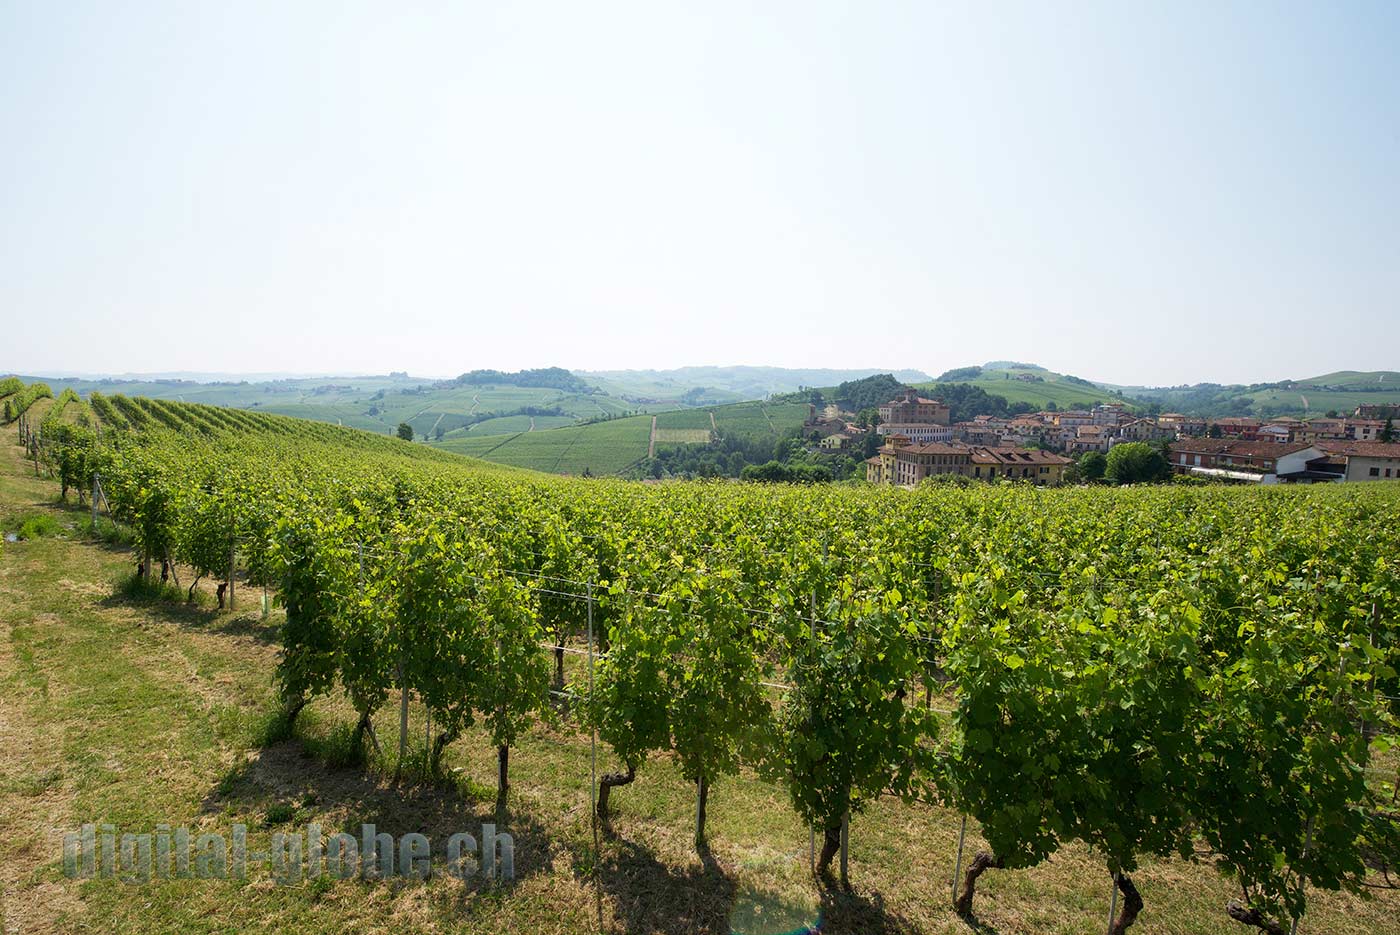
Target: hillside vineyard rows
pixel 1161 671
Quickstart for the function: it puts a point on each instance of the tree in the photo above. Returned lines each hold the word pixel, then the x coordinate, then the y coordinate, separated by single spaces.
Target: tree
pixel 1135 463
pixel 405 431
pixel 1093 465
pixel 1388 433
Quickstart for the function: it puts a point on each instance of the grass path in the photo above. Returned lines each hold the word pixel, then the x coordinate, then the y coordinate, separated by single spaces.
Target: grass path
pixel 145 713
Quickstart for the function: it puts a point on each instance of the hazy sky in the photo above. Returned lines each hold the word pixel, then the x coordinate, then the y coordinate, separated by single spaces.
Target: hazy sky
pixel 1131 192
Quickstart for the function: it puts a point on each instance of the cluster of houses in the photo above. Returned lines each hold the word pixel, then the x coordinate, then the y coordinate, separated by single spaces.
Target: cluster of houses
pixel 920 440
pixel 1285 462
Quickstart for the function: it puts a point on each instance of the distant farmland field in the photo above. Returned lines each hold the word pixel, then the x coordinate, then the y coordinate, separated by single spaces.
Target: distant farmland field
pixel 1316 402
pixel 683 436
pixel 614 446
pixel 683 419
pixel 759 418
pixel 599 447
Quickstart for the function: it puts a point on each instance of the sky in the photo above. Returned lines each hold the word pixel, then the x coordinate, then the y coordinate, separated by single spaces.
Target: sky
pixel 1130 192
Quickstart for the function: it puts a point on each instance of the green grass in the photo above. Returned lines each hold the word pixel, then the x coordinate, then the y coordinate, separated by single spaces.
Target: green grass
pixel 36 527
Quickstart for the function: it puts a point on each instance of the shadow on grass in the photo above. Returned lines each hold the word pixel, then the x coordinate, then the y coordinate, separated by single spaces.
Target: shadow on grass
pixel 290 784
pixel 647 895
pixel 975 924
pixel 168 603
pixel 867 915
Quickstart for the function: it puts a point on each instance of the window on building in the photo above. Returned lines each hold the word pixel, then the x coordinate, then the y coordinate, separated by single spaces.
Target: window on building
pixel 1375 472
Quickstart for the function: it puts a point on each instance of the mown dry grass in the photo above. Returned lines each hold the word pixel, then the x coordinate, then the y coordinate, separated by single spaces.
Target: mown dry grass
pixel 137 714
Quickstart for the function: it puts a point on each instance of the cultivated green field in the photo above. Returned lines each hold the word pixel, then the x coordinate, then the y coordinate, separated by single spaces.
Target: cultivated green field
pixel 685 419
pixel 759 418
pixel 598 448
pixel 1310 402
pixel 614 446
pixel 510 425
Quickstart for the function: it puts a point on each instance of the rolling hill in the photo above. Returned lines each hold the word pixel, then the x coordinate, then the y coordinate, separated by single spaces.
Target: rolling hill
pixel 1033 385
pixel 380 403
pixel 1340 392
pixel 718 385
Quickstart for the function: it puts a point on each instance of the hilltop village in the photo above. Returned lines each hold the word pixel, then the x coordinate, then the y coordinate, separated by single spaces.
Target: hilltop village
pixel 918 440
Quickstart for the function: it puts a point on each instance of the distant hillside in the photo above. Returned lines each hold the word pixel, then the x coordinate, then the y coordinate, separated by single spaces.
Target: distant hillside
pixel 717 385
pixel 550 378
pixel 1030 384
pixel 1365 381
pixel 1339 392
pixel 480 402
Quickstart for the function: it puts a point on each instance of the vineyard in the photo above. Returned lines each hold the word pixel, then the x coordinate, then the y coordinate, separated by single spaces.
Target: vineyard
pixel 1208 673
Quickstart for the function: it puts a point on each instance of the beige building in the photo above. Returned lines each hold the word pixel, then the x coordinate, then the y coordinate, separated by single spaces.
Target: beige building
pixel 909 408
pixel 1366 460
pixel 905 463
pixel 1145 430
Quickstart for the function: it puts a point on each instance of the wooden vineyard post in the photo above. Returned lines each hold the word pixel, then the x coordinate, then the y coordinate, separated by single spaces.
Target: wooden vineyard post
pixel 93 502
pixel 403 718
pixel 1112 902
pixel 812 643
pixel 593 767
pixel 845 847
pixel 1307 846
pixel 957 863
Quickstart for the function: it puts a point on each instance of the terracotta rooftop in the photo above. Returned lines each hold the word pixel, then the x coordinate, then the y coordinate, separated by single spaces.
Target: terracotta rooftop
pixel 1017 456
pixel 1234 446
pixel 1361 449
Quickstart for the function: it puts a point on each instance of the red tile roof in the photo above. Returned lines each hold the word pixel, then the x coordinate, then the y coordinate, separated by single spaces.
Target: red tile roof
pixel 1361 449
pixel 1235 446
pixel 1017 456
